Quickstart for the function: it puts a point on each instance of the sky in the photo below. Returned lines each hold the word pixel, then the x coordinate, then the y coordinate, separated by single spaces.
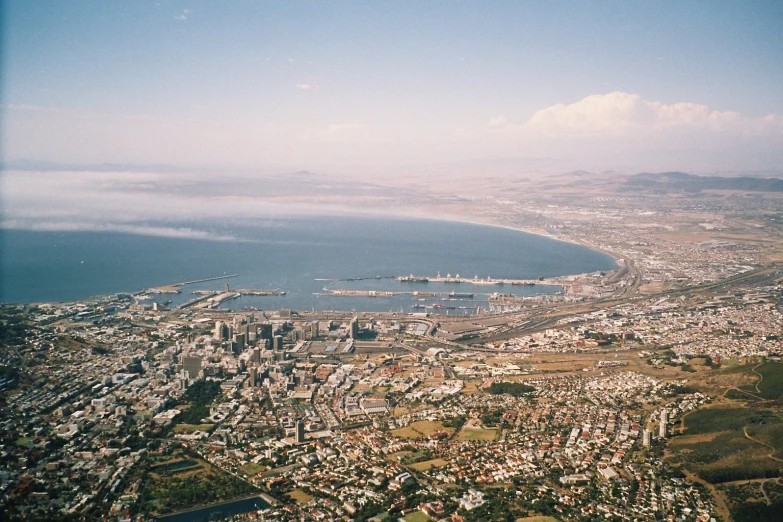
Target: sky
pixel 375 88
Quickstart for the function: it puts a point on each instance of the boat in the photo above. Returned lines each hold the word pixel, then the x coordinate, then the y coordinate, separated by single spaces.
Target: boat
pixel 412 279
pixel 460 295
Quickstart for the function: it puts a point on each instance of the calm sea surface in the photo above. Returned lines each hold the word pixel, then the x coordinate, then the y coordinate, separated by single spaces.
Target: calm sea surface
pixel 294 255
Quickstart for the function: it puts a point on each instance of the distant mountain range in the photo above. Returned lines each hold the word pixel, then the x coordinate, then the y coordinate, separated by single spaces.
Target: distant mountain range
pixel 682 182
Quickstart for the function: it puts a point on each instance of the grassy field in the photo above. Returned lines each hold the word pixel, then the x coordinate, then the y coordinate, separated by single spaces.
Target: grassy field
pixel 427 464
pixel 417 516
pixel 251 468
pixel 477 434
pixel 190 428
pixel 713 420
pixel 727 457
pixel 421 430
pixel 771 434
pixel 771 386
pixel 395 457
pixel 300 496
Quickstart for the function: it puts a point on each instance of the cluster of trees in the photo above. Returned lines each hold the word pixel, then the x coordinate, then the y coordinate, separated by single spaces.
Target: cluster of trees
pixel 516 389
pixel 197 490
pixel 200 395
pixel 12 328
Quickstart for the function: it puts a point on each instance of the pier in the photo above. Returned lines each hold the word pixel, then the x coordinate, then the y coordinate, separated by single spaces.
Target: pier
pixel 176 288
pixel 473 281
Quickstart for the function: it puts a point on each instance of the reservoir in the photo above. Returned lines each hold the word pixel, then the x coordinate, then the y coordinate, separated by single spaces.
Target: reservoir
pixel 216 511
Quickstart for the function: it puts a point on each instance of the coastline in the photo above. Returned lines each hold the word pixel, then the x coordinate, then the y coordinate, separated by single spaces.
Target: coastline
pixel 413 215
pixel 470 220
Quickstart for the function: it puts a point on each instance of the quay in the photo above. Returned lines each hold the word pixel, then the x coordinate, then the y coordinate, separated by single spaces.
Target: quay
pixel 176 288
pixel 474 281
pixel 245 291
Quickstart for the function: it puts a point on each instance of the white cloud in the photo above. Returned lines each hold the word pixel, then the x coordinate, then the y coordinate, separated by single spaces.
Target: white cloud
pixel 621 112
pixel 183 15
pixel 305 86
pixel 500 121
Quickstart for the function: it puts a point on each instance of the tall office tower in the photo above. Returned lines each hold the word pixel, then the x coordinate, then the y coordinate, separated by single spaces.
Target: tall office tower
pixel 266 331
pixel 278 343
pixel 354 327
pixel 219 330
pixel 662 427
pixel 192 365
pixel 646 436
pixel 299 432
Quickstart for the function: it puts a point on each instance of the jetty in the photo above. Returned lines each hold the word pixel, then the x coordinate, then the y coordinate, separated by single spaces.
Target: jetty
pixel 466 280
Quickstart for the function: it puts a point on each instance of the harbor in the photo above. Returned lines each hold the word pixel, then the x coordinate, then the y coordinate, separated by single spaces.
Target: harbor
pixel 449 279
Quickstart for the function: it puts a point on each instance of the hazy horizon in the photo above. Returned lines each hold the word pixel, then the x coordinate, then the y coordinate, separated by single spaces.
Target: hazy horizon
pixel 405 88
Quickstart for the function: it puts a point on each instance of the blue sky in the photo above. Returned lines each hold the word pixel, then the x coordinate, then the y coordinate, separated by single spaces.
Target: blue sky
pixel 374 86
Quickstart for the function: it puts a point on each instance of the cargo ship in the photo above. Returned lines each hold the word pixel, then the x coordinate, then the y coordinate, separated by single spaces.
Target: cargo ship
pixel 412 279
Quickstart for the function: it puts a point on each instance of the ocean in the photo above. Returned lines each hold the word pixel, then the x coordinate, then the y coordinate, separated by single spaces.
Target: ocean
pixel 300 256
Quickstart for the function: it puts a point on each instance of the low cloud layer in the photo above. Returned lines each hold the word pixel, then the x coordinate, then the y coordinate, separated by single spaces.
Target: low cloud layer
pixel 616 130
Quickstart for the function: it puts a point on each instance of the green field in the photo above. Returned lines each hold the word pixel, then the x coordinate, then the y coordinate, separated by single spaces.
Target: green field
pixel 713 420
pixel 477 434
pixel 417 516
pixel 427 464
pixel 190 428
pixel 421 430
pixel 771 386
pixel 300 497
pixel 251 468
pixel 727 457
pixel 771 434
pixel 748 502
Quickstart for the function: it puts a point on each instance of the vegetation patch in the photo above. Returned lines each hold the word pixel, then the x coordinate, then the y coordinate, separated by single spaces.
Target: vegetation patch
pixel 398 456
pixel 190 428
pixel 770 434
pixel 417 516
pixel 427 464
pixel 200 395
pixel 516 389
pixel 477 434
pixel 771 385
pixel 300 497
pixel 728 457
pixel 251 468
pixel 177 492
pixel 724 419
pixel 421 430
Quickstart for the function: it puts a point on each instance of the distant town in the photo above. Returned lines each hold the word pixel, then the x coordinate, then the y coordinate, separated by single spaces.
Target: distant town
pixel 650 392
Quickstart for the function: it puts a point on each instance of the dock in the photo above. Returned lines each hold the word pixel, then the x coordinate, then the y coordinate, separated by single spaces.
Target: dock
pixel 466 280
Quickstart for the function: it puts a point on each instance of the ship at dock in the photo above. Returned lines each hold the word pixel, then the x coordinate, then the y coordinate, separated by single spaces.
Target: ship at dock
pixel 413 279
pixel 460 295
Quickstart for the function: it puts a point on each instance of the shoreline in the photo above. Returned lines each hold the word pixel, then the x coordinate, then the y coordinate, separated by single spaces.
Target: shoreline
pixel 405 215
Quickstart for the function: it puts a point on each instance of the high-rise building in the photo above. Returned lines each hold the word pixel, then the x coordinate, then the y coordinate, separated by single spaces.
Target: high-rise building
pixel 192 365
pixel 300 432
pixel 266 331
pixel 646 436
pixel 662 426
pixel 354 327
pixel 278 343
pixel 219 331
